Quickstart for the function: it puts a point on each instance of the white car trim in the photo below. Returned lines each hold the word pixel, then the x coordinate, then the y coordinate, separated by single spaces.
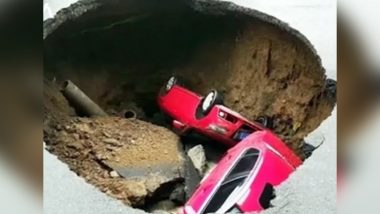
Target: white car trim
pixel 278 154
pixel 274 150
pixel 216 187
pixel 189 210
pixel 246 189
pixel 230 201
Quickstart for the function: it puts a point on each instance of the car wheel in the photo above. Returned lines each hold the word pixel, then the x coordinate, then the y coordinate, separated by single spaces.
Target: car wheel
pixel 210 100
pixel 171 82
pixel 265 121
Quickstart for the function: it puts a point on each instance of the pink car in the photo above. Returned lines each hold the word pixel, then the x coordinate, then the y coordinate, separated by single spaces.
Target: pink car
pixel 205 115
pixel 243 180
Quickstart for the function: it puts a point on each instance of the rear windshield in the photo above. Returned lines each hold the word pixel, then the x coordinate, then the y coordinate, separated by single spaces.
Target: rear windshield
pixel 235 178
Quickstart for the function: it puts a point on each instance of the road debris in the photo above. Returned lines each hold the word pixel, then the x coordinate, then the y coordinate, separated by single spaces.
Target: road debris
pixel 131 172
pixel 198 157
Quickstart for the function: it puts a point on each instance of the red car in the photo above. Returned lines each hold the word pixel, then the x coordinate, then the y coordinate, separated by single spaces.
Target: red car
pixel 244 179
pixel 206 115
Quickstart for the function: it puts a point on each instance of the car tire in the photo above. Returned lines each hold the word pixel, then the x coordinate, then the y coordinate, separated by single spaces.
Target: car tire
pixel 168 86
pixel 211 99
pixel 265 121
pixel 170 83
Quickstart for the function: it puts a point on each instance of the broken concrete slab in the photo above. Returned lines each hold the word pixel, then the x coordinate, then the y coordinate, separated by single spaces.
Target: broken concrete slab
pixel 147 155
pixel 198 157
pixel 192 178
pixel 127 159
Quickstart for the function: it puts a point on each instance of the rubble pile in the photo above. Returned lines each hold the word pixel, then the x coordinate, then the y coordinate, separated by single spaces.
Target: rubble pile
pixel 127 159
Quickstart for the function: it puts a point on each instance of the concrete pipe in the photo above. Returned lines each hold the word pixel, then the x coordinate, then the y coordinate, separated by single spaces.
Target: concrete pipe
pixel 80 101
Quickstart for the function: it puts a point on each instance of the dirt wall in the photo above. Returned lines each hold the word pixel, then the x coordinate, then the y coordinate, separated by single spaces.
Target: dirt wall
pixel 120 53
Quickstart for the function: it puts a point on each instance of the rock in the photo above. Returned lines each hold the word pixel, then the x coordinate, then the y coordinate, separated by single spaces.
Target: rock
pixel 178 194
pixel 76 136
pixel 106 134
pixel 112 142
pixel 75 145
pixel 162 207
pixel 114 174
pixel 192 178
pixel 154 182
pixel 136 192
pixel 198 157
pixel 100 157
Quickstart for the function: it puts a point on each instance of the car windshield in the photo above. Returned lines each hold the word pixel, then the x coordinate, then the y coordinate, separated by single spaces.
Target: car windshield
pixel 234 179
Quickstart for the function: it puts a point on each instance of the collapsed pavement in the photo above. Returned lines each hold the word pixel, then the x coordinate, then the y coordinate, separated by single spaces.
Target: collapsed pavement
pixel 128 159
pixel 120 59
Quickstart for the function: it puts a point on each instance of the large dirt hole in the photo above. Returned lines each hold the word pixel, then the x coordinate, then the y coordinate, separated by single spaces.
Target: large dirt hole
pixel 121 52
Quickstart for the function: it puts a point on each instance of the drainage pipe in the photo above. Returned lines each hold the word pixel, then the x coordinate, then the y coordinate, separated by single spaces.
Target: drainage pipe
pixel 80 101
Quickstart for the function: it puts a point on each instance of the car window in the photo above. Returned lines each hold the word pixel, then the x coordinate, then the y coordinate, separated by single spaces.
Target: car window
pixel 245 164
pixel 235 178
pixel 224 191
pixel 228 117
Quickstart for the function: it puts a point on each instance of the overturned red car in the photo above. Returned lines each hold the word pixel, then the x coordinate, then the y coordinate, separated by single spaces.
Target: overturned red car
pixel 244 179
pixel 206 115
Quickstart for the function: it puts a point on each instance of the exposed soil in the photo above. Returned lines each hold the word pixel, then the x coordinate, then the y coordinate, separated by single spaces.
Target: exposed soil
pixel 94 147
pixel 262 66
pixel 264 71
